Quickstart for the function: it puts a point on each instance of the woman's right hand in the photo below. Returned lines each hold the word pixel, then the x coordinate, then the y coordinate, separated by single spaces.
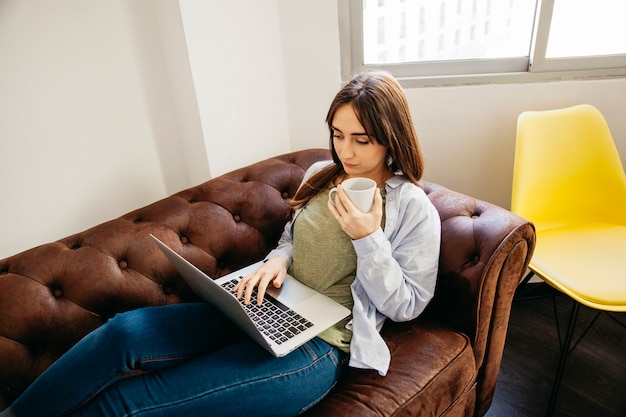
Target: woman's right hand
pixel 274 271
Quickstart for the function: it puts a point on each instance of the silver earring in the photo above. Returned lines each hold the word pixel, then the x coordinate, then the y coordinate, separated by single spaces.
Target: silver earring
pixel 389 161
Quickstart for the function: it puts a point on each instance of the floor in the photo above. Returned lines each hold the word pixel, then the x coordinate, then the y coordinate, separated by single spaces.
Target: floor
pixel 594 381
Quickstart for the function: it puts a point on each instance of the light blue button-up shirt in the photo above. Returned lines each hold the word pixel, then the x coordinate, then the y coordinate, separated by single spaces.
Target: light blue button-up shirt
pixel 396 268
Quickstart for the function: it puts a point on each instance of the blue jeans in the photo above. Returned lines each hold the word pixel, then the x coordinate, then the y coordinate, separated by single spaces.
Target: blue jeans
pixel 179 360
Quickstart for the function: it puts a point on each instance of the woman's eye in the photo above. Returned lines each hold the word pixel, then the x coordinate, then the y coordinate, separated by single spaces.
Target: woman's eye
pixel 360 142
pixel 336 136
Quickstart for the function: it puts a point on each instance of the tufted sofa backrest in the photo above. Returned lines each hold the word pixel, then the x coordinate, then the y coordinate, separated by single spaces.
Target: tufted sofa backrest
pixel 54 294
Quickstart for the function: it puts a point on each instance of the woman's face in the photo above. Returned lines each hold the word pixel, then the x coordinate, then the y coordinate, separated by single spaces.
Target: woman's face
pixel 360 155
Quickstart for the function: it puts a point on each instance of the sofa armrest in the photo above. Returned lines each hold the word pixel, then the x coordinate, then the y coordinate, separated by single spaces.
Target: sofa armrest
pixel 485 251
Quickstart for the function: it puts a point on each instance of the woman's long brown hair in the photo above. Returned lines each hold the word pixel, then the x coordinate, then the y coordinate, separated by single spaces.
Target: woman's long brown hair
pixel 383 110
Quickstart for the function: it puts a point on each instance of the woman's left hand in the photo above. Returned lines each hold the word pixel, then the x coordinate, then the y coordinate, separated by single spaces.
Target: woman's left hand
pixel 353 221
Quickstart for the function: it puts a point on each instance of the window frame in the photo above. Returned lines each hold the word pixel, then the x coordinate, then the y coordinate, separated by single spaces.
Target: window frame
pixel 533 68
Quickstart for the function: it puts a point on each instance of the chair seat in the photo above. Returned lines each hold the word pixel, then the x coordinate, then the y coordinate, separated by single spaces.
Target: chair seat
pixel 586 262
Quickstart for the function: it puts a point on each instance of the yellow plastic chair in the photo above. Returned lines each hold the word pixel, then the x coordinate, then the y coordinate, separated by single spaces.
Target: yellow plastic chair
pixel 569 181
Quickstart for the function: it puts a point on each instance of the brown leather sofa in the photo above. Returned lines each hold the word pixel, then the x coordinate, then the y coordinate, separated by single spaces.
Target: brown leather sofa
pixel 444 363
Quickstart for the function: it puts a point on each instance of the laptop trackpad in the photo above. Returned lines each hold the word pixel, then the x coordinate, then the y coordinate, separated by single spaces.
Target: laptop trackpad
pixel 292 291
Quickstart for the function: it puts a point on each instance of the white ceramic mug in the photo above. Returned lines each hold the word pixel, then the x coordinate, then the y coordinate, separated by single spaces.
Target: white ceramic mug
pixel 360 191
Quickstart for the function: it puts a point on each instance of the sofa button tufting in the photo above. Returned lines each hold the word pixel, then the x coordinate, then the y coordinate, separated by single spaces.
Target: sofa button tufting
pixel 57 293
pixel 237 218
pixel 168 290
pixel 285 195
pixel 184 239
pixel 123 264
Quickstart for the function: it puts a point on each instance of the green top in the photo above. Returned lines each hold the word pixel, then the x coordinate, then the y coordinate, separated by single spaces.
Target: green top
pixel 329 268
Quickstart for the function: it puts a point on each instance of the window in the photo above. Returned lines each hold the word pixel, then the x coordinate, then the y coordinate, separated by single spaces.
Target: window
pixel 580 30
pixel 461 39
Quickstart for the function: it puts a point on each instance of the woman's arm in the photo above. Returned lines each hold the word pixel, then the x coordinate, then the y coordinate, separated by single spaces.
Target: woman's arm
pixel 398 268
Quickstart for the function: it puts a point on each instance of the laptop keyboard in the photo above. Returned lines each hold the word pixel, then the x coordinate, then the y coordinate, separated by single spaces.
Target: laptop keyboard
pixel 272 318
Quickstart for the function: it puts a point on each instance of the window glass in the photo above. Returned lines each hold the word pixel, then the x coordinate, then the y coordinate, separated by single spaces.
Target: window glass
pixel 426 30
pixel 436 42
pixel 587 28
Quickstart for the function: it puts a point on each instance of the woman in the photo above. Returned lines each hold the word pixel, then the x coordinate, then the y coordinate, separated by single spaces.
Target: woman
pixel 187 359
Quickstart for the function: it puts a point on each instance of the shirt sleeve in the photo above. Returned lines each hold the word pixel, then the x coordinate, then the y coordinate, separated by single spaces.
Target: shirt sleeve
pixel 285 245
pixel 397 268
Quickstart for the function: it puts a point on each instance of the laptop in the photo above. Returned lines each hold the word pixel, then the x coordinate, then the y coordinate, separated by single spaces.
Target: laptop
pixel 288 317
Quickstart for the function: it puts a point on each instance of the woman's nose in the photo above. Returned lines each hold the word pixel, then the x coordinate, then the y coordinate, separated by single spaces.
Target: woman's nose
pixel 347 150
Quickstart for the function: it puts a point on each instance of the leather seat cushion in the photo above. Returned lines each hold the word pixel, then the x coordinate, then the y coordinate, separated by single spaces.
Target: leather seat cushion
pixel 432 367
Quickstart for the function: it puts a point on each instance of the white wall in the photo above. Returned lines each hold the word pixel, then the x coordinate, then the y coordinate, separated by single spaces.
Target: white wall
pixel 108 106
pixel 76 143
pixel 310 42
pixel 237 68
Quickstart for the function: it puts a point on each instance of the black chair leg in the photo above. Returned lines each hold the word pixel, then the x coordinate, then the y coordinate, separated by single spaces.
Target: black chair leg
pixel 565 351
